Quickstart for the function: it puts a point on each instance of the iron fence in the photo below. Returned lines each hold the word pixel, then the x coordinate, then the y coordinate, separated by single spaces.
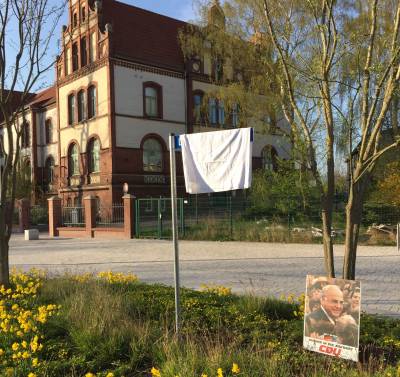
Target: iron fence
pixel 223 217
pixel 110 216
pixel 73 216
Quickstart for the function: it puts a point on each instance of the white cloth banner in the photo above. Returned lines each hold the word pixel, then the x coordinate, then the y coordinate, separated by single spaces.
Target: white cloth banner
pixel 217 161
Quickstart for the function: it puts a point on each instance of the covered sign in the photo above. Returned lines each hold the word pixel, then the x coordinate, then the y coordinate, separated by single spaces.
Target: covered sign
pixel 217 161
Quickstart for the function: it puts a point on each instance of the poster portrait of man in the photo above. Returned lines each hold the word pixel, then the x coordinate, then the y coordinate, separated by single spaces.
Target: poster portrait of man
pixel 332 316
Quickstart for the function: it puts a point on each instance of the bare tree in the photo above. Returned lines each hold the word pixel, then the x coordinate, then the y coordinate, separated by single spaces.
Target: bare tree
pixel 333 68
pixel 27 31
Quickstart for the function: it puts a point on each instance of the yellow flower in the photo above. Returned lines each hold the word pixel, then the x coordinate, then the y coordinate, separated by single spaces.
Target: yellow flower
pixel 90 375
pixel 35 361
pixel 235 368
pixel 155 372
pixel 31 375
pixel 15 346
pixel 1 352
pixel 110 374
pixel 219 372
pixel 204 375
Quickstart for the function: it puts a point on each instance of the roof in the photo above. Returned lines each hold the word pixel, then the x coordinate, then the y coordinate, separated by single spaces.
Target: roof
pixel 15 100
pixel 44 98
pixel 144 36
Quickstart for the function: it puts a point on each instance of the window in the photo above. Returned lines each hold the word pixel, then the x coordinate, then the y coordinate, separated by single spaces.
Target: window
pixel 49 131
pixel 83 14
pixel 69 202
pixel 152 156
pixel 25 136
pixel 74 57
pixel 218 69
pixel 94 156
pixel 221 113
pixel 212 111
pixel 71 109
pixel 73 160
pixel 49 167
pixel 92 48
pixel 197 102
pixel 81 106
pixel 152 100
pixel 83 52
pixel 269 155
pixel 235 115
pixel 67 60
pixel 75 19
pixel 92 101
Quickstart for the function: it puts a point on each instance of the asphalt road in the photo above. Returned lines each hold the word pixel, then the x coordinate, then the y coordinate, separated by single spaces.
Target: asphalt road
pixel 257 268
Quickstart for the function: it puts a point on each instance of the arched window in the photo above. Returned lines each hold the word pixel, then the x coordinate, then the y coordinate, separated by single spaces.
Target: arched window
pixel 73 160
pixel 152 100
pixel 92 102
pixel 83 52
pixel 75 57
pixel 81 106
pixel 93 156
pixel 75 19
pixel 71 109
pixel 49 169
pixel 221 113
pixel 235 115
pixel 197 102
pixel 83 14
pixel 25 136
pixel 49 131
pixel 212 111
pixel 152 155
pixel 269 155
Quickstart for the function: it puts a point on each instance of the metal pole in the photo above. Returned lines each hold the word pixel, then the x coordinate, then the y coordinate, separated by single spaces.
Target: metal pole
pixel 398 237
pixel 174 227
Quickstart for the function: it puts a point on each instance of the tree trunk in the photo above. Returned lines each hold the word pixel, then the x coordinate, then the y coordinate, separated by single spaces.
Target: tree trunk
pixel 4 266
pixel 354 209
pixel 327 242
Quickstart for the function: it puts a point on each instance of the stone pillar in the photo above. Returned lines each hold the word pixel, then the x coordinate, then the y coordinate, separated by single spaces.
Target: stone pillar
pixel 24 214
pixel 55 215
pixel 89 203
pixel 129 215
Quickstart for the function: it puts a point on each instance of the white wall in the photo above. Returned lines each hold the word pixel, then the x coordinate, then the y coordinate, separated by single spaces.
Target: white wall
pixel 129 93
pixel 130 131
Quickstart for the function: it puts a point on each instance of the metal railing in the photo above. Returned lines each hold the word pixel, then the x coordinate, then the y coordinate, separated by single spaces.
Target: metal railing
pixel 73 216
pixel 110 216
pixel 237 218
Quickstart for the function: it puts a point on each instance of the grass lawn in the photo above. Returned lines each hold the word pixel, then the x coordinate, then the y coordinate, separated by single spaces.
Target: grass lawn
pixel 113 325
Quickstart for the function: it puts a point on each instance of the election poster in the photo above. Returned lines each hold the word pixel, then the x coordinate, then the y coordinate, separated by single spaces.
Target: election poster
pixel 332 316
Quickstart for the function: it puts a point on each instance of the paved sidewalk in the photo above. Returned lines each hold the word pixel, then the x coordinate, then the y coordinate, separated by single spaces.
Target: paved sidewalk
pixel 258 268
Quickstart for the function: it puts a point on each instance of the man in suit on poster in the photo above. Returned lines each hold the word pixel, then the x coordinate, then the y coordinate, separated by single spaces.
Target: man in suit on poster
pixel 322 322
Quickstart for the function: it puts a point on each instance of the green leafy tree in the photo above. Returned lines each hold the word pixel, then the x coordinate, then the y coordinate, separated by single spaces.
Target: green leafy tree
pixel 331 68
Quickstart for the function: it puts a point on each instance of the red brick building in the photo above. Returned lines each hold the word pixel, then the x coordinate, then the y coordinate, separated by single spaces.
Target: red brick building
pixel 122 87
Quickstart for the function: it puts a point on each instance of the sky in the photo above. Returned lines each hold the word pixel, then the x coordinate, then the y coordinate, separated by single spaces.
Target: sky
pixel 179 9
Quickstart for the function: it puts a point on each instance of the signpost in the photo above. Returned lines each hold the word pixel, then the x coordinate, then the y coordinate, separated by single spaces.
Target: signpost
pixel 172 148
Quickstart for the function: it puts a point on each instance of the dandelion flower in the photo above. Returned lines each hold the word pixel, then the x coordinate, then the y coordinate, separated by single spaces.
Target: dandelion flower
pixel 235 368
pixel 219 372
pixel 110 374
pixel 155 372
pixel 31 375
pixel 90 375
